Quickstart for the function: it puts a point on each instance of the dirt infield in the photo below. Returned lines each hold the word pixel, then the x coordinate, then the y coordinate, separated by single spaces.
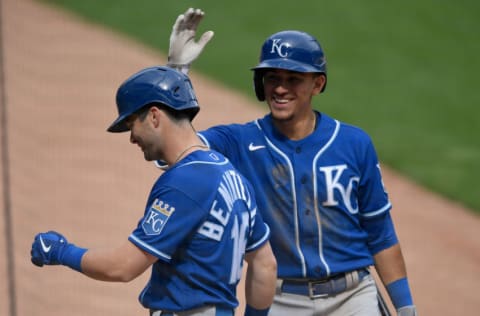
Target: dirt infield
pixel 65 172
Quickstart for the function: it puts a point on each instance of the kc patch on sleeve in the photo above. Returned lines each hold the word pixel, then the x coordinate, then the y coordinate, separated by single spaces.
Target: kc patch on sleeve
pixel 156 218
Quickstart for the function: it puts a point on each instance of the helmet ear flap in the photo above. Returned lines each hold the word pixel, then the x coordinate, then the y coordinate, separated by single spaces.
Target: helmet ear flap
pixel 258 85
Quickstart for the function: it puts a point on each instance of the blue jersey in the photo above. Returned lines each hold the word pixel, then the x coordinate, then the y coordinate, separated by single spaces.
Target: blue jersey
pixel 201 217
pixel 322 196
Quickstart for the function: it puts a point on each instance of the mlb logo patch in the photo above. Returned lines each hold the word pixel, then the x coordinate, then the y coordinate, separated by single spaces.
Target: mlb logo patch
pixel 156 218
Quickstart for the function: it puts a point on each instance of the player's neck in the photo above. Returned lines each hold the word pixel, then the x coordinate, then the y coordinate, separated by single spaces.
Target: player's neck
pixel 188 150
pixel 297 129
pixel 179 140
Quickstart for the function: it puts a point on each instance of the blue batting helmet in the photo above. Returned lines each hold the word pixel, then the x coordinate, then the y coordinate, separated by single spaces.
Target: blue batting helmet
pixel 289 50
pixel 152 85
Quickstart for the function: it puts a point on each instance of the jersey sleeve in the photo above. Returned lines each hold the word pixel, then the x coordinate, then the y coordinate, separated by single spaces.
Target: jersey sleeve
pixel 381 232
pixel 373 197
pixel 170 217
pixel 223 138
pixel 260 232
pixel 375 205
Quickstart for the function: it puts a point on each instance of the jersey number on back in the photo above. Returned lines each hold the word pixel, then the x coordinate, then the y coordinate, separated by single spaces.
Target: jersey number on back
pixel 239 241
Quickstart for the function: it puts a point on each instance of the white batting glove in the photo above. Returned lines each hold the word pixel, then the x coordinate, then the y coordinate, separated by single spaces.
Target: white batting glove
pixel 183 49
pixel 407 311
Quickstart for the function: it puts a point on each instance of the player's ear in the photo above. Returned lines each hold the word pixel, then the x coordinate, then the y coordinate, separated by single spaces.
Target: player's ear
pixel 319 82
pixel 155 115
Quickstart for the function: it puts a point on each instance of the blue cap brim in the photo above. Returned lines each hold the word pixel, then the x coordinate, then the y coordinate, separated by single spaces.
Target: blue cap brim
pixel 286 64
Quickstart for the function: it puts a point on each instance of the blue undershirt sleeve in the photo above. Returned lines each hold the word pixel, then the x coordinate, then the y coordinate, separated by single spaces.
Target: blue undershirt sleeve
pixel 381 232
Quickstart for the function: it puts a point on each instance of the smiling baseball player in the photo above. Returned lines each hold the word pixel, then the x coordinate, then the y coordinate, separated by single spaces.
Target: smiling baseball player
pixel 200 221
pixel 318 185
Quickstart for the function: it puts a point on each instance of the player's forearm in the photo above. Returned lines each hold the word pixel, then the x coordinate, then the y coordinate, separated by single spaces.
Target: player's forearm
pixel 390 266
pixel 121 264
pixel 259 293
pixel 261 278
pixel 98 265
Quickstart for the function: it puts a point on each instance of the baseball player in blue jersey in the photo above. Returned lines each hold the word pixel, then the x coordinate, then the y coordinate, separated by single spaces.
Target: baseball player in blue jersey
pixel 317 181
pixel 200 221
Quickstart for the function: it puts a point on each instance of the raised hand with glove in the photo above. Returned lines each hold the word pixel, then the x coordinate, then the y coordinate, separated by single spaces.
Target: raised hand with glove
pixel 183 48
pixel 52 248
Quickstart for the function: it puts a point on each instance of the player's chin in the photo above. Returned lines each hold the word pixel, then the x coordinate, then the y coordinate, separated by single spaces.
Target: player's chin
pixel 151 155
pixel 281 114
pixel 148 156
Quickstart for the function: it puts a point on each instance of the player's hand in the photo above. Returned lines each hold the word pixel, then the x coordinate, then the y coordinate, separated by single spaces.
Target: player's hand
pixel 48 248
pixel 183 48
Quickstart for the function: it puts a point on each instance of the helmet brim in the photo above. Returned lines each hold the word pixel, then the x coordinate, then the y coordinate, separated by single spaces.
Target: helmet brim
pixel 288 64
pixel 119 125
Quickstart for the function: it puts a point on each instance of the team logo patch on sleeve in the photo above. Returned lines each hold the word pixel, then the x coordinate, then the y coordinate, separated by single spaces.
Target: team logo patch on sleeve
pixel 157 217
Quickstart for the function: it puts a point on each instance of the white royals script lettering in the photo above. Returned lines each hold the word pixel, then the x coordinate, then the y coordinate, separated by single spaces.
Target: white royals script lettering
pixel 332 183
pixel 277 47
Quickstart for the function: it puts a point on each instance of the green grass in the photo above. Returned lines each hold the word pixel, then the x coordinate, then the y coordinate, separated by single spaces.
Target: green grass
pixel 406 72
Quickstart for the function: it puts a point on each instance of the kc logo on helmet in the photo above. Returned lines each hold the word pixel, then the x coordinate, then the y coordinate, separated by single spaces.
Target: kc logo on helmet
pixel 278 47
pixel 157 217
